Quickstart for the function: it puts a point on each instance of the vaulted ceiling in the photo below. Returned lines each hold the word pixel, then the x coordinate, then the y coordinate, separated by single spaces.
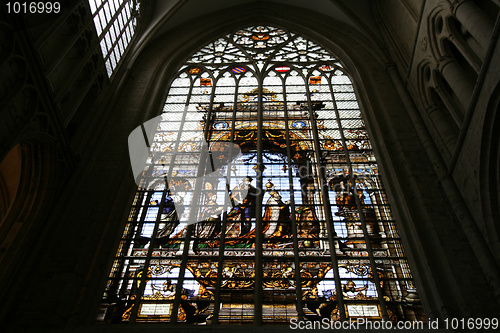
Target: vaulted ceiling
pixel 169 14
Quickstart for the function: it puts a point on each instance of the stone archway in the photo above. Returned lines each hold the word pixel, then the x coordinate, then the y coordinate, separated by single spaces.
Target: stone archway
pixel 31 166
pixel 490 171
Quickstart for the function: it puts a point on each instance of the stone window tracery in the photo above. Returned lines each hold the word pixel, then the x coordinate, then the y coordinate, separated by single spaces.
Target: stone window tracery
pixel 311 237
pixel 115 22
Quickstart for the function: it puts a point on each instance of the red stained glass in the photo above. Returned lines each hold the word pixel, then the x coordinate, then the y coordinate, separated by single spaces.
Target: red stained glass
pixel 282 69
pixel 326 68
pixel 205 82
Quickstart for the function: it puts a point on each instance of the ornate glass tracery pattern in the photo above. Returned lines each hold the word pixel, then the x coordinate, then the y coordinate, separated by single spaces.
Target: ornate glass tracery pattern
pixel 313 238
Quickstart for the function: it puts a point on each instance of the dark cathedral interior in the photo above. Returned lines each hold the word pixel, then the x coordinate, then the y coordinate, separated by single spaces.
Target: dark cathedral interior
pixel 331 161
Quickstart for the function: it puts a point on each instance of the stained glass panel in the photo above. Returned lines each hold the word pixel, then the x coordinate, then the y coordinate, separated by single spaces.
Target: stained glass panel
pixel 297 226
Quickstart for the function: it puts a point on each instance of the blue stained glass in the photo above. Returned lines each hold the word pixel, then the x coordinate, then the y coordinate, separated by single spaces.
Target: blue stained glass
pixel 299 124
pixel 238 70
pixel 221 126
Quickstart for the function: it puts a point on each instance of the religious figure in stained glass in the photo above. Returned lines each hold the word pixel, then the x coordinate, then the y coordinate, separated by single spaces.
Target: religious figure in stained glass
pixel 168 217
pixel 209 225
pixel 276 217
pixel 319 235
pixel 243 207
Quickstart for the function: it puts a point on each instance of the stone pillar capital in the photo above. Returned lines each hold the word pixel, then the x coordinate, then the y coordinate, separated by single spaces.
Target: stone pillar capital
pixel 452 37
pixel 445 61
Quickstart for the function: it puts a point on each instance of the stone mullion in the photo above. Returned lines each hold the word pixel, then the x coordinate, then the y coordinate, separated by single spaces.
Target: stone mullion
pixel 326 204
pixel 222 244
pixel 259 271
pixel 293 220
pixel 188 241
pixel 144 277
pixel 359 207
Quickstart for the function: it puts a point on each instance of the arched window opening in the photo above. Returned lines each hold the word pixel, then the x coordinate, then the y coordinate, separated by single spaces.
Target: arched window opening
pixel 115 22
pixel 297 226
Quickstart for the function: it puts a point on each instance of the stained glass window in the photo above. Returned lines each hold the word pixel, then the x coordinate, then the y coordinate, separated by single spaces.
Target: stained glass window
pixel 115 22
pixel 299 226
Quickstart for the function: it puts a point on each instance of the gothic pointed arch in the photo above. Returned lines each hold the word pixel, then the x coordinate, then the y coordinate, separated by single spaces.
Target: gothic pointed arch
pixel 27 182
pixel 490 169
pixel 297 225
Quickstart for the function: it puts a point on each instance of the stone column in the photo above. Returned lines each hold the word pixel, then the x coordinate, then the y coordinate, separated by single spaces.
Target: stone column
pixel 447 131
pixel 474 20
pixel 461 84
pixel 485 257
pixel 473 58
